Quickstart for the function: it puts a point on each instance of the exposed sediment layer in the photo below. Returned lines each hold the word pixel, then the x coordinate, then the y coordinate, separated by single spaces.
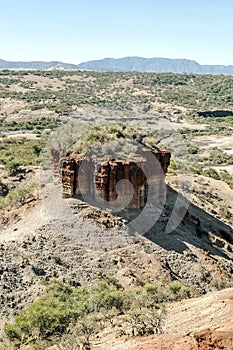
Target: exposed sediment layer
pixel 101 179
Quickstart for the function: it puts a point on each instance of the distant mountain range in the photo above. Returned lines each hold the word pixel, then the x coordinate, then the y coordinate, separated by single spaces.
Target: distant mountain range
pixel 35 65
pixel 126 64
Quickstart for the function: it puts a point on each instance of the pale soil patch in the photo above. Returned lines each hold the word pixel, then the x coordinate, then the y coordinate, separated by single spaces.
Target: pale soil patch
pixel 25 115
pixel 43 82
pixel 9 105
pixel 17 88
pixel 165 107
pixel 215 310
pixel 148 121
pixel 27 135
pixel 152 342
pixel 228 168
pixel 79 77
pixel 183 322
pixel 208 193
pixel 207 142
pixel 165 123
pixel 29 218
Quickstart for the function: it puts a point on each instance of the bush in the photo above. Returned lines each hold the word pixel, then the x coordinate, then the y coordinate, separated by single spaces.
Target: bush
pixel 74 315
pixel 12 167
pixel 49 316
pixel 211 173
pixel 79 335
pixel 20 152
pixel 179 291
pixel 18 197
pixel 107 297
pixel 193 149
pixel 226 177
pixel 144 321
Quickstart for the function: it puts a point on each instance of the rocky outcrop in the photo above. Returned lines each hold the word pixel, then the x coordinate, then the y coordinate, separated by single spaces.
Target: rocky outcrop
pixel 101 178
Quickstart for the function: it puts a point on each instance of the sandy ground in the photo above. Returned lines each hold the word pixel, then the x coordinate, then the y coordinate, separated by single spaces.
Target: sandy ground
pixel 31 217
pixel 215 310
pixel 228 168
pixel 200 323
pixel 224 143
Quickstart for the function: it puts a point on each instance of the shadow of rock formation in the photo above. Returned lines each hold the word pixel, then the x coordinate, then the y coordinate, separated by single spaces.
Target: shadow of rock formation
pixel 197 228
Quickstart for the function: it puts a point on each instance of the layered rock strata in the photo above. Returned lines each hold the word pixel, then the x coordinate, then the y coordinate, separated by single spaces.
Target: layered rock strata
pixel 101 180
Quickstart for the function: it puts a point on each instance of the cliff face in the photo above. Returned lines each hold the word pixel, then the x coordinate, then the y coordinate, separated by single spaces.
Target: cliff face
pixel 101 180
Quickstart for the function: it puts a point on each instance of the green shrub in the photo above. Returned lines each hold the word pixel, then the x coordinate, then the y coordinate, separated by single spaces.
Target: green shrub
pixel 144 321
pixel 193 149
pixel 107 297
pixel 49 316
pixel 173 168
pixel 226 177
pixel 179 291
pixel 16 152
pixel 12 166
pixel 18 197
pixel 74 315
pixel 210 172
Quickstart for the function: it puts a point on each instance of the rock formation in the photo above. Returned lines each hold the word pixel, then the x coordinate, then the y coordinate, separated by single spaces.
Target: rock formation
pixel 100 179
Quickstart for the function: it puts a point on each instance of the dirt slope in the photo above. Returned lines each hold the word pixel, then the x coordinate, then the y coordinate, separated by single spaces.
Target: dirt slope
pixel 215 311
pixel 199 254
pixel 200 323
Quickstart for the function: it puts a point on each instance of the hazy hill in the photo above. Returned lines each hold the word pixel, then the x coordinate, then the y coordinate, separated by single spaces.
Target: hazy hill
pixel 34 65
pixel 141 64
pixel 126 64
pixel 159 65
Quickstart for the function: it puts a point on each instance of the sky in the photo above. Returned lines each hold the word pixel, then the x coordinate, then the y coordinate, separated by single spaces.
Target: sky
pixel 75 31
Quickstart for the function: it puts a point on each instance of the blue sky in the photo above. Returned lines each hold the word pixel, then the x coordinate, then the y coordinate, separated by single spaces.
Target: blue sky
pixel 75 31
